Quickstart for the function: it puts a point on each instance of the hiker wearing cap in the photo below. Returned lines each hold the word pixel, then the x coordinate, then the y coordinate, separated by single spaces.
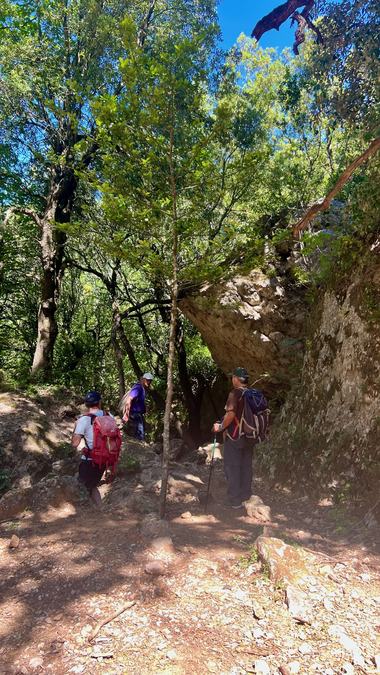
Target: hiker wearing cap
pixel 89 474
pixel 237 454
pixel 134 408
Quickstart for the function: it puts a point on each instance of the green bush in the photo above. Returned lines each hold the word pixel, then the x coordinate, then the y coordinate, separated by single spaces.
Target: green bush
pixel 129 463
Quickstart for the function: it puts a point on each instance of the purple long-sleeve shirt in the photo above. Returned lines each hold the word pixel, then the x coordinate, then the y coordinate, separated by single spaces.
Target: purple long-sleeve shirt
pixel 137 395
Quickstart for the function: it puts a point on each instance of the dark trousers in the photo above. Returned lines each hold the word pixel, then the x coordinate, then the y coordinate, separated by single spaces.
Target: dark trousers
pixel 135 426
pixel 237 457
pixel 90 474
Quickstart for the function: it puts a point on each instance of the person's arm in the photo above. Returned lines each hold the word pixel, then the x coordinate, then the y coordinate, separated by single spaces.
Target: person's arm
pixel 226 421
pixel 230 414
pixel 77 438
pixel 127 407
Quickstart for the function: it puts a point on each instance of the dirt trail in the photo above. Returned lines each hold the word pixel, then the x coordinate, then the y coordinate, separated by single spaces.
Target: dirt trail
pixel 75 566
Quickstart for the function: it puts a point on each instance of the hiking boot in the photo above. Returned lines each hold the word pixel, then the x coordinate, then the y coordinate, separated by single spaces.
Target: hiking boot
pixel 230 505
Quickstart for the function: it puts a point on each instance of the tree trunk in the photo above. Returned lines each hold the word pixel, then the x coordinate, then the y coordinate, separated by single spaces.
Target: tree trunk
pixel 119 362
pixel 169 396
pixel 47 329
pixel 127 346
pixel 192 402
pixel 172 332
pixel 58 209
pixel 195 426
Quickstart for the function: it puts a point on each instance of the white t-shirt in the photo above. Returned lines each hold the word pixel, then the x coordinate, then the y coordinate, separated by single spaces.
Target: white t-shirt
pixel 84 427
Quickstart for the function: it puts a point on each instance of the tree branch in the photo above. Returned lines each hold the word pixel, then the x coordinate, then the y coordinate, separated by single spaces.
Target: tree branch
pixel 23 211
pixel 144 26
pixel 89 270
pixel 277 17
pixel 324 203
pixel 303 21
pixel 288 10
pixel 141 305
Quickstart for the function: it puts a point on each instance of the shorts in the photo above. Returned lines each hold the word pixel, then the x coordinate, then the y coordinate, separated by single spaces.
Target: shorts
pixel 90 474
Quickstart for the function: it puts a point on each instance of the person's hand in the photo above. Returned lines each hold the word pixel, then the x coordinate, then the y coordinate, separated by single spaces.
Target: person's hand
pixel 216 427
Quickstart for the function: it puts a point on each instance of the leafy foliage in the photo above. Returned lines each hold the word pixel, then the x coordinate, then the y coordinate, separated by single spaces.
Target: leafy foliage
pixel 165 140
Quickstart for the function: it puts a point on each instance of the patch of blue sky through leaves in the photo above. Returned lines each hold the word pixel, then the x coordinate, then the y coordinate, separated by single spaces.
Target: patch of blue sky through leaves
pixel 240 16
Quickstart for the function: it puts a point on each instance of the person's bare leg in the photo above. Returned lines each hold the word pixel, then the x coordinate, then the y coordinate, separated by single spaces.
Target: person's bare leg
pixel 95 496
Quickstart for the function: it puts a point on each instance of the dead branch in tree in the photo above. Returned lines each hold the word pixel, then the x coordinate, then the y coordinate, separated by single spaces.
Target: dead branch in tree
pixel 324 203
pixel 288 10
pixel 303 21
pixel 276 17
pixel 145 24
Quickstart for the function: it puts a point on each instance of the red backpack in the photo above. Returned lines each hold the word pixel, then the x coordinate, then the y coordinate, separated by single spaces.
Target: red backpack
pixel 107 441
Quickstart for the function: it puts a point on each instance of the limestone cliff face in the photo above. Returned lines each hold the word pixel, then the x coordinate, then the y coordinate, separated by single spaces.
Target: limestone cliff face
pixel 323 356
pixel 255 321
pixel 330 423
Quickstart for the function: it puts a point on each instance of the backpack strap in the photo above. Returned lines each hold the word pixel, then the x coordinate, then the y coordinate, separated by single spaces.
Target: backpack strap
pixel 87 450
pixel 236 431
pixel 240 422
pixel 92 416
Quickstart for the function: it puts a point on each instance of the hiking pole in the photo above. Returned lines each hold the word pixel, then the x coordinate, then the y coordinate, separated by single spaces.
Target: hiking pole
pixel 211 465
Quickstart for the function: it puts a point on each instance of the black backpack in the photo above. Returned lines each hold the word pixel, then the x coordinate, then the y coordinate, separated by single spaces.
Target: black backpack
pixel 254 421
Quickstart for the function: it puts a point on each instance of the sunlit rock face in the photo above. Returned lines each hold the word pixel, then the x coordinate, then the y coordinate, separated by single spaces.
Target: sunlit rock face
pixel 254 321
pixel 322 360
pixel 330 422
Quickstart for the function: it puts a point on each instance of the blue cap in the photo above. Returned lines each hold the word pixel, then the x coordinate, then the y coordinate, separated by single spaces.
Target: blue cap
pixel 92 398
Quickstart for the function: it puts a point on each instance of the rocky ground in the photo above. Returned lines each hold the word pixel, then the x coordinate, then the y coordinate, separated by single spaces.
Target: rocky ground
pixel 290 584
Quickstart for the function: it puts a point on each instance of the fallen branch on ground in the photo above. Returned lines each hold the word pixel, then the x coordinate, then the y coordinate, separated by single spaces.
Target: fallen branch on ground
pixel 109 619
pixel 256 650
pixel 324 555
pixel 324 203
pixel 362 520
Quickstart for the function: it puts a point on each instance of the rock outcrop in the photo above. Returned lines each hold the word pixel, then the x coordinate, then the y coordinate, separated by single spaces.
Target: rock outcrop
pixel 285 563
pixel 256 321
pixel 47 492
pixel 35 436
pixel 255 508
pixel 322 364
pixel 331 421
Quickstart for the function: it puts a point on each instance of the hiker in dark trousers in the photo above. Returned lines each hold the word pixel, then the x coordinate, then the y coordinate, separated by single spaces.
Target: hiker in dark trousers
pixel 134 408
pixel 237 453
pixel 89 474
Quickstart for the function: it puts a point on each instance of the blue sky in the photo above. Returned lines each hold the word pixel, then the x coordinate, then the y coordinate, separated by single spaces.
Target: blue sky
pixel 240 16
